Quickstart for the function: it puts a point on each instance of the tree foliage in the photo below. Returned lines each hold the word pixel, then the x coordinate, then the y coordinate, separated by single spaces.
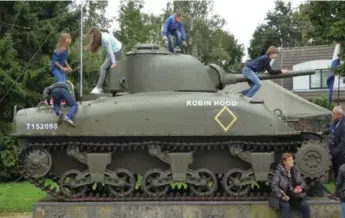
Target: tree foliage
pixel 328 21
pixel 282 27
pixel 322 21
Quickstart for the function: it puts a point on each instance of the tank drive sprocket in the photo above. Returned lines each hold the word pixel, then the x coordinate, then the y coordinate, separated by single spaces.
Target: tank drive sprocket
pixel 313 159
pixel 38 162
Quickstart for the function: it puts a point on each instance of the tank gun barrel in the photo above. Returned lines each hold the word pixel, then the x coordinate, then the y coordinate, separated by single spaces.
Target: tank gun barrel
pixel 236 78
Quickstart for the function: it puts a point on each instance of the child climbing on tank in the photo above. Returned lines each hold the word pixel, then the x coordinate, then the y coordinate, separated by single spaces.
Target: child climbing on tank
pixel 114 52
pixel 62 91
pixel 251 69
pixel 174 27
pixel 59 65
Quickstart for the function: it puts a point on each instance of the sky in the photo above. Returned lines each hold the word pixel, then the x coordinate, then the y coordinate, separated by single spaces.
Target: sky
pixel 241 16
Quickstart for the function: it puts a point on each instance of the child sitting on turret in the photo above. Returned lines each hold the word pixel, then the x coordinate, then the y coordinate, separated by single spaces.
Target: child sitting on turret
pixel 252 67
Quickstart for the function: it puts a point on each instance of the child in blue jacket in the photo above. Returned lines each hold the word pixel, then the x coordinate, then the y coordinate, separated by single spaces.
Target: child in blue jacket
pixel 59 64
pixel 173 26
pixel 252 67
pixel 114 52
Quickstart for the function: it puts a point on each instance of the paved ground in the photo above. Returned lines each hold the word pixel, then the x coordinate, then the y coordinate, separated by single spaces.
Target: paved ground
pixel 16 215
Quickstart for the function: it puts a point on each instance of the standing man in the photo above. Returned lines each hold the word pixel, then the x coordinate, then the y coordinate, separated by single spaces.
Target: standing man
pixel 336 142
pixel 173 27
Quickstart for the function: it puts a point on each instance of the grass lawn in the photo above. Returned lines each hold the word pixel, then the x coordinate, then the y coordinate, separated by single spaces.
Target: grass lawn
pixel 19 197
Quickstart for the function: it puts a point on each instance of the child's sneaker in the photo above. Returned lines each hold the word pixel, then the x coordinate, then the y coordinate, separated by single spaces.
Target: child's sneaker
pixel 60 117
pixel 69 121
pixel 97 91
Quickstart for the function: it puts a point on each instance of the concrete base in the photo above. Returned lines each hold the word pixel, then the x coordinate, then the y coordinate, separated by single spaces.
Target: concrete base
pixel 320 208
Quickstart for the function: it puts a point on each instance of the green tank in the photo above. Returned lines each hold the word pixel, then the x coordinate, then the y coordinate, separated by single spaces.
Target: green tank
pixel 171 136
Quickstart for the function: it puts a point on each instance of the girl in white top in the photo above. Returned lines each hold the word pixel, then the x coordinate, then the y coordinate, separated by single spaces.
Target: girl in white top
pixel 114 52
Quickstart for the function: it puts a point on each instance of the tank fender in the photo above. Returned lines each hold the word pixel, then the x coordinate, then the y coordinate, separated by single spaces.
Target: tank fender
pixel 311 136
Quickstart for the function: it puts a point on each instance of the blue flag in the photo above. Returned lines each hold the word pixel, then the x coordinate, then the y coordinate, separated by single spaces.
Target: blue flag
pixel 330 80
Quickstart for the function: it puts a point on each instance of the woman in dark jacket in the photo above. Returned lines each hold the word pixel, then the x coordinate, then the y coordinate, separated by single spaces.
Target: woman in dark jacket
pixel 288 189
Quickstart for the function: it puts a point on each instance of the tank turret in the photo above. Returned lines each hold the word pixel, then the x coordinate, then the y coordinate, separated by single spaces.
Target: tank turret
pixel 152 68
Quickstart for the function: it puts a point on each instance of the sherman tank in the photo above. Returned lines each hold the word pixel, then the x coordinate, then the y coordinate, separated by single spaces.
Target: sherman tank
pixel 171 136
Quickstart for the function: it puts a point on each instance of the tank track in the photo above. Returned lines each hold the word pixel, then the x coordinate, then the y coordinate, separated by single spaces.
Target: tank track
pixel 138 195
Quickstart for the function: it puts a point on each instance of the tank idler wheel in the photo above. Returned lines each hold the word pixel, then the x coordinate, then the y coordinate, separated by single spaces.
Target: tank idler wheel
pixel 151 183
pixel 127 183
pixel 209 179
pixel 65 184
pixel 38 163
pixel 232 183
pixel 313 159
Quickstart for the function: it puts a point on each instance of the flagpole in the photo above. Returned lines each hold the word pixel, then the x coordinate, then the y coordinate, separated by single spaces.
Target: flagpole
pixel 81 48
pixel 338 89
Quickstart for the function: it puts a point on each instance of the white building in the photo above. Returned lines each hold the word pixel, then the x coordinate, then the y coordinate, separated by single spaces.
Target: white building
pixel 305 58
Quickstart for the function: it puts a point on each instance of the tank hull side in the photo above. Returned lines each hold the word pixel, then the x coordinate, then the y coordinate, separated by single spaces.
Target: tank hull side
pixel 158 114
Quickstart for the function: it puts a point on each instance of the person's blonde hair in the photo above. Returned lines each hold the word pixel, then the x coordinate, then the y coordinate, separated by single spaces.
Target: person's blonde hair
pixel 61 44
pixel 272 50
pixel 95 38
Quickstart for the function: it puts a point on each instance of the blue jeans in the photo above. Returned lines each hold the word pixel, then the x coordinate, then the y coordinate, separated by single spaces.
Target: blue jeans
pixel 342 209
pixel 59 94
pixel 254 82
pixel 301 205
pixel 178 41
pixel 59 75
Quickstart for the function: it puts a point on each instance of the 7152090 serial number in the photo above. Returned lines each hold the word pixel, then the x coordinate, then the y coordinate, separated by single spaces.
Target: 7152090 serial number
pixel 41 126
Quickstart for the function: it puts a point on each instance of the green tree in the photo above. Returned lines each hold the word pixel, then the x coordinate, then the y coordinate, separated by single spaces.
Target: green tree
pixel 328 21
pixel 204 32
pixel 282 27
pixel 132 27
pixel 25 52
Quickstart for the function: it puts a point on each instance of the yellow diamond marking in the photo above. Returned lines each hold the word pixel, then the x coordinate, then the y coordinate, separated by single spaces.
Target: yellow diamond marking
pixel 234 118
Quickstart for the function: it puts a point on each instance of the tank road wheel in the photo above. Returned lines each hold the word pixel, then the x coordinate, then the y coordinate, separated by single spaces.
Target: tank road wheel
pixel 152 183
pixel 38 162
pixel 313 159
pixel 209 180
pixel 65 184
pixel 126 182
pixel 232 182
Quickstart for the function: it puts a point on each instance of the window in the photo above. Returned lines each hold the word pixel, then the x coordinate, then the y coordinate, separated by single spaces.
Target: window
pixel 319 79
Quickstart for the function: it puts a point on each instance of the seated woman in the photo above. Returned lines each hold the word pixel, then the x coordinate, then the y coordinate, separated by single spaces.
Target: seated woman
pixel 288 189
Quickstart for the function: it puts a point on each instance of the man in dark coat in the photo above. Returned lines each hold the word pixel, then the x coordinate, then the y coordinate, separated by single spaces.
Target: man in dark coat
pixel 336 143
